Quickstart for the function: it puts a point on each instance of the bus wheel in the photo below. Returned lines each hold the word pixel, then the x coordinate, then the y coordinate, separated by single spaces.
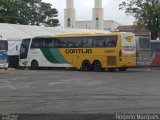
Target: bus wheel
pixel 111 69
pixel 34 65
pixel 86 66
pixel 96 66
pixel 122 69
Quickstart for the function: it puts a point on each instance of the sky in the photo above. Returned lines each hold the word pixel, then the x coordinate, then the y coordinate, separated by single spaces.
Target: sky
pixel 84 10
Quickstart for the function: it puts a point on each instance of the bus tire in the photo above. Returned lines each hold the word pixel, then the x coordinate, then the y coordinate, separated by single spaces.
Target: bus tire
pixel 86 65
pixel 111 69
pixel 122 69
pixel 96 66
pixel 34 65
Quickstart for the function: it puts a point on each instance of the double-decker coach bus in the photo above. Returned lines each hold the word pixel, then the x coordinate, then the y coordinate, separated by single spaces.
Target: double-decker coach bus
pixel 155 48
pixel 143 51
pixel 3 53
pixel 82 51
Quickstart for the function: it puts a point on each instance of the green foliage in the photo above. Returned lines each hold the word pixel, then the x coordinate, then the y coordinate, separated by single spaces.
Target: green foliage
pixel 28 12
pixel 147 13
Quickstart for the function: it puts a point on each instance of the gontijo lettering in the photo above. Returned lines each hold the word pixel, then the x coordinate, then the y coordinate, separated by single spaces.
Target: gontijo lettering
pixel 129 48
pixel 78 51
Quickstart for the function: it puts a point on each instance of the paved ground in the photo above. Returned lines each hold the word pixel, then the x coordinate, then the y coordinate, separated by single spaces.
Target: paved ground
pixel 74 92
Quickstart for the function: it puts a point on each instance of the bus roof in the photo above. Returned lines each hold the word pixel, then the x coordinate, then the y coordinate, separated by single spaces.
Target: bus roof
pixel 80 34
pixel 3 39
pixel 47 36
pixel 85 34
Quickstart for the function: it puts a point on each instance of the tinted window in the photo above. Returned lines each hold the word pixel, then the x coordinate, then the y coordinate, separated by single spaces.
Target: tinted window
pixel 24 48
pixel 87 41
pixel 3 55
pixel 74 42
pixel 111 41
pixel 48 43
pixel 144 43
pixel 99 42
pixel 61 42
pixel 37 43
pixel 3 45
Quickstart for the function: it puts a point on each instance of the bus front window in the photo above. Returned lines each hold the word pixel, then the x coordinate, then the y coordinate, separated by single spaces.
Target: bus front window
pixel 3 55
pixel 3 45
pixel 144 43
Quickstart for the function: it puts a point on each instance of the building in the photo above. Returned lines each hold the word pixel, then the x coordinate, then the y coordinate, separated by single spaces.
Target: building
pixel 97 21
pixel 133 29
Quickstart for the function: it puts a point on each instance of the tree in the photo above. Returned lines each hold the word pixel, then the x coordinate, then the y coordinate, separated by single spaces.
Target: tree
pixel 8 11
pixel 28 12
pixel 147 13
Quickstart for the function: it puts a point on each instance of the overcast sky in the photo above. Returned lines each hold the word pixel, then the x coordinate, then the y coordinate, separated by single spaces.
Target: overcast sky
pixel 84 10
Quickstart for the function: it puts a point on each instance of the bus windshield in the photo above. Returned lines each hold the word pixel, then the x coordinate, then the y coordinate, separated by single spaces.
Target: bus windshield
pixel 3 45
pixel 24 48
pixel 3 55
pixel 144 43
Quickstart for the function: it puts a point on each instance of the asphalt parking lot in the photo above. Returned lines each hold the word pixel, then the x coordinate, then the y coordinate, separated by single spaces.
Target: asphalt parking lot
pixel 77 92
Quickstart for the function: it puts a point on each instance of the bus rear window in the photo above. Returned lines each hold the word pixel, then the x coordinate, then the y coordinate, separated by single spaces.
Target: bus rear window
pixel 3 45
pixel 144 43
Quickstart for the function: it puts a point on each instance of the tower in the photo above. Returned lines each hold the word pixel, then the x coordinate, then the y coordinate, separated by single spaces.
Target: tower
pixel 69 14
pixel 98 15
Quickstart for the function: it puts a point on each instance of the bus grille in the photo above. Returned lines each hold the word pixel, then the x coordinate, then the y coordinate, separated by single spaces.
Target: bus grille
pixel 111 60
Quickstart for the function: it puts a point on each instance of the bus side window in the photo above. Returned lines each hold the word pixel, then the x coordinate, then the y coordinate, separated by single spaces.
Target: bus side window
pixel 99 41
pixel 61 42
pixel 74 42
pixel 87 41
pixel 48 43
pixel 111 41
pixel 71 43
pixel 36 43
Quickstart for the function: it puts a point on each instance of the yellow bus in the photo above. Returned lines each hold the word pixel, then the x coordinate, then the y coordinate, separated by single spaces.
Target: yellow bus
pixel 87 52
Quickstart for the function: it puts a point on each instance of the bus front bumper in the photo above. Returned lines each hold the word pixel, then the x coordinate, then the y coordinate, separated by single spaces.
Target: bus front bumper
pixel 4 65
pixel 128 64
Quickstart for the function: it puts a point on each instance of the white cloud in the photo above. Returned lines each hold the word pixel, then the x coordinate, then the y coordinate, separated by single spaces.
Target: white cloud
pixel 84 10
